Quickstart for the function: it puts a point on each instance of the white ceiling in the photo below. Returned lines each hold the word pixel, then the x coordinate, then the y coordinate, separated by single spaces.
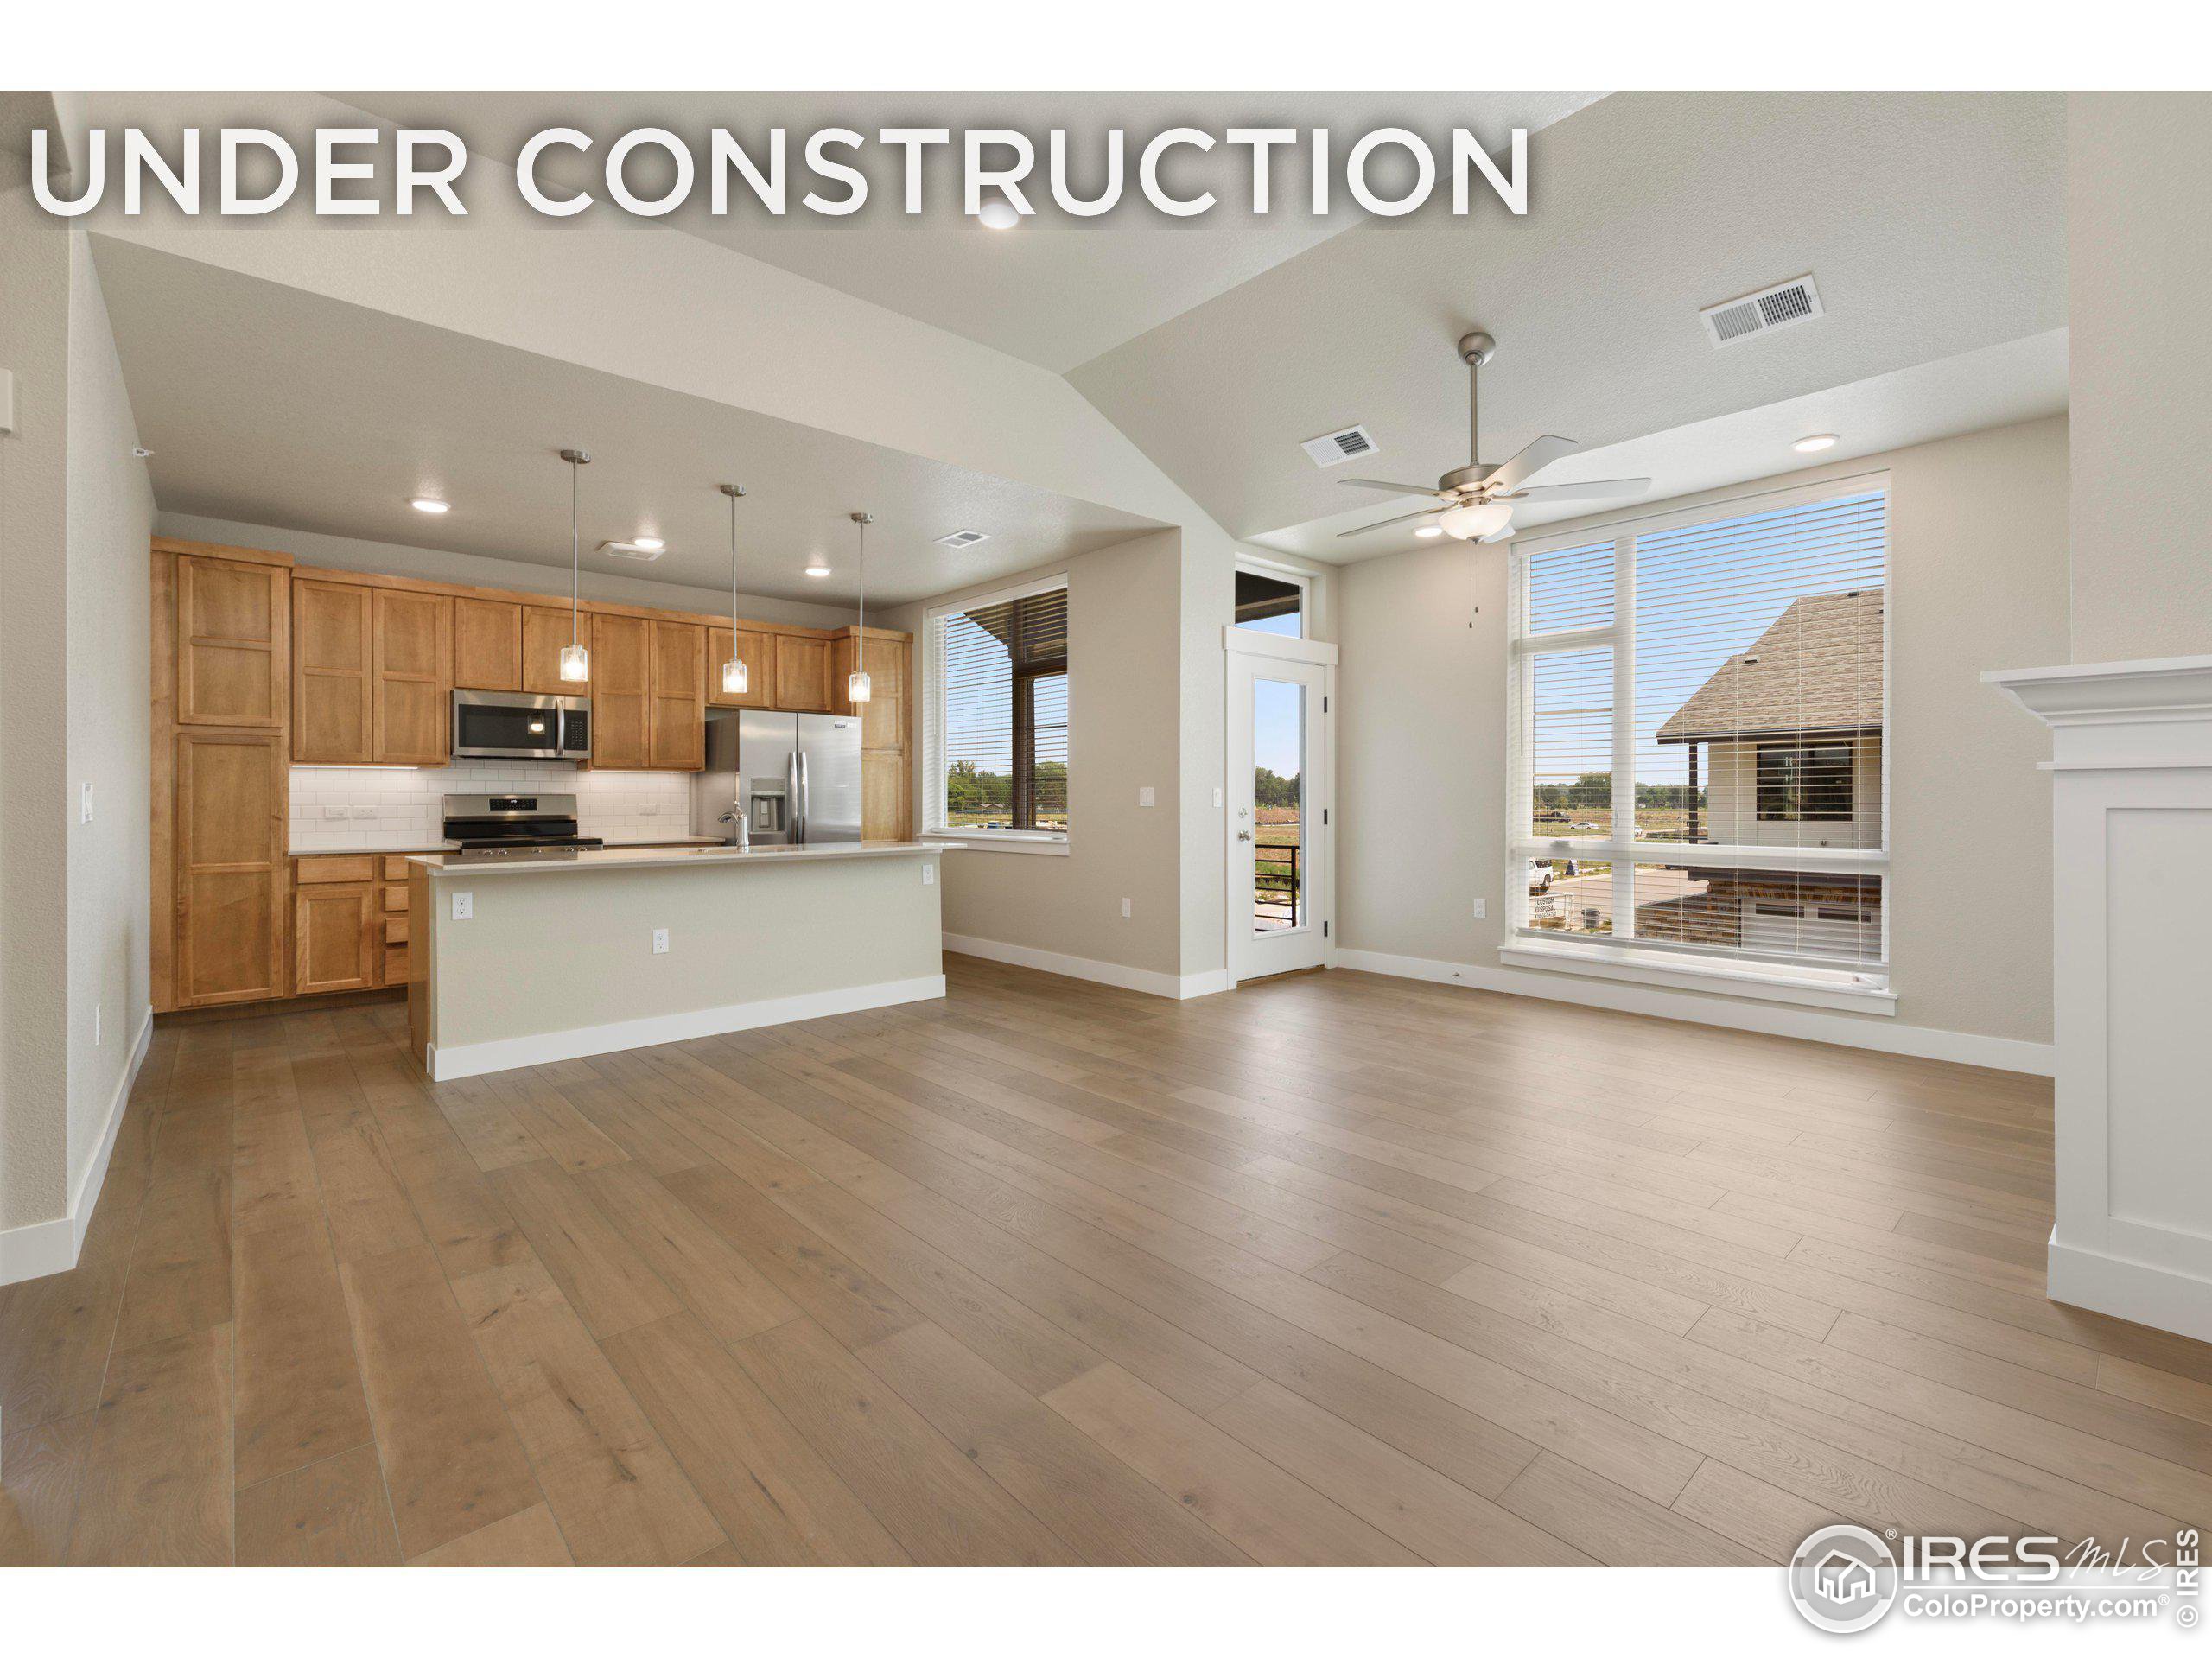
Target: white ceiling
pixel 271 405
pixel 1055 292
pixel 2018 380
pixel 1933 224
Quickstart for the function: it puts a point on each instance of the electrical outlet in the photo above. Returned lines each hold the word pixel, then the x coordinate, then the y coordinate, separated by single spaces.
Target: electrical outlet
pixel 1482 908
pixel 365 808
pixel 464 905
pixel 1125 910
pixel 337 811
pixel 1144 795
pixel 1216 797
pixel 650 809
pixel 660 941
pixel 929 872
pixel 85 804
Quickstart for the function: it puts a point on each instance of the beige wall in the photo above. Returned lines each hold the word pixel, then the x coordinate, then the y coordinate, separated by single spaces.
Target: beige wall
pixel 1978 543
pixel 110 721
pixel 1127 635
pixel 2138 259
pixel 34 760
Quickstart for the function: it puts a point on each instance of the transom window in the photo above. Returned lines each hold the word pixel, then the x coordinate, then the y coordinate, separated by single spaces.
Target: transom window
pixel 996 699
pixel 1699 708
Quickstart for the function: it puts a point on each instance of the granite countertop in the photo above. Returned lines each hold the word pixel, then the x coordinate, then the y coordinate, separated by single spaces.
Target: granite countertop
pixel 373 844
pixel 636 858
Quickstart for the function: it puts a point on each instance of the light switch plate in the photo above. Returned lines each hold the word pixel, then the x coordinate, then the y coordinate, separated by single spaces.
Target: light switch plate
pixel 1144 795
pixel 464 907
pixel 1482 908
pixel 1125 910
pixel 85 804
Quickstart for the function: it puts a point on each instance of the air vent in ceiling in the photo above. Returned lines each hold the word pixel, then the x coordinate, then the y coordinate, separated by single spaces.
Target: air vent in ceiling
pixel 1733 321
pixel 630 551
pixel 960 538
pixel 1334 448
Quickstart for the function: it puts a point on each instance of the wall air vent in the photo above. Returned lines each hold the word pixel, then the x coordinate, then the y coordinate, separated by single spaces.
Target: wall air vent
pixel 630 551
pixel 1334 448
pixel 961 538
pixel 1733 321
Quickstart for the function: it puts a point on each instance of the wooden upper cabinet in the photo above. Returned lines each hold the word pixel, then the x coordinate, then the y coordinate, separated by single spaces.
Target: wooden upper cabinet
pixel 622 677
pixel 331 626
pixel 229 833
pixel 802 674
pixel 675 738
pixel 883 717
pixel 487 644
pixel 545 632
pixel 411 641
pixel 756 651
pixel 233 633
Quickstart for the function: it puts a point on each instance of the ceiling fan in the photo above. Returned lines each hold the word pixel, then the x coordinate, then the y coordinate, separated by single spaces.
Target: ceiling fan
pixel 1475 502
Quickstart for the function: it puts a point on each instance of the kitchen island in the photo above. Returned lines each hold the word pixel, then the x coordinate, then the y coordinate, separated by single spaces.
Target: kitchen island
pixel 524 960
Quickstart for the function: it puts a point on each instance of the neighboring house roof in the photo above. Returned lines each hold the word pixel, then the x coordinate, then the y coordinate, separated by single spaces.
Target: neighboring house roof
pixel 1817 668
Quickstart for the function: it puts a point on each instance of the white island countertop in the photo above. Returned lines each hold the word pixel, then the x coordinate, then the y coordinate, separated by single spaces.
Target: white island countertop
pixel 641 858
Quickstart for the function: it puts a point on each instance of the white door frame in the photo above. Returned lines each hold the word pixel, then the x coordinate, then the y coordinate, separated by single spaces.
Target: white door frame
pixel 1236 909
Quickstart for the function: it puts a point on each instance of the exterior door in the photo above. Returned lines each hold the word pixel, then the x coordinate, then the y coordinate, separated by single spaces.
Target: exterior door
pixel 1281 804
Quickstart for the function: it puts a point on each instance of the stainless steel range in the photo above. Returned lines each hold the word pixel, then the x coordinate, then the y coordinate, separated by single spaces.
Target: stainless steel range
pixel 515 826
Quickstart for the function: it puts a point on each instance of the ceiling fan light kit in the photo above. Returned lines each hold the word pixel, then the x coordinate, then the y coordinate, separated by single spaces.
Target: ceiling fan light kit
pixel 1475 501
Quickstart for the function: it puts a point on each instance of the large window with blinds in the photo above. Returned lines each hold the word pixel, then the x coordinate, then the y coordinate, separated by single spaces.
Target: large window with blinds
pixel 1699 713
pixel 996 712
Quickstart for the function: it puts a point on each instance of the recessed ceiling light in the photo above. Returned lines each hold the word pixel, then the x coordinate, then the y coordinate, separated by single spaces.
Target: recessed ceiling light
pixel 1430 530
pixel 1817 442
pixel 998 214
pixel 817 569
pixel 650 544
pixel 429 504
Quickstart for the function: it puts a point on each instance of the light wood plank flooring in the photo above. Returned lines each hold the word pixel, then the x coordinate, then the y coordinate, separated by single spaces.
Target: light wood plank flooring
pixel 1334 1269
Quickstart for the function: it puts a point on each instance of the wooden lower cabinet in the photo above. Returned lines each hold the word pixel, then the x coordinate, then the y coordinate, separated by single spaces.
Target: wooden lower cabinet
pixel 333 946
pixel 229 832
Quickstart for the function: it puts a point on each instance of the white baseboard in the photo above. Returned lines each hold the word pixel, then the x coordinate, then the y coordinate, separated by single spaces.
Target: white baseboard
pixel 42 1247
pixel 1922 1042
pixel 473 1060
pixel 1149 981
pixel 2163 1298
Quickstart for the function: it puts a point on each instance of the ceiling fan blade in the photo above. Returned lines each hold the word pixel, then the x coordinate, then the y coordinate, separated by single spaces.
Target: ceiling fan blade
pixel 1425 512
pixel 1596 489
pixel 1397 489
pixel 1530 462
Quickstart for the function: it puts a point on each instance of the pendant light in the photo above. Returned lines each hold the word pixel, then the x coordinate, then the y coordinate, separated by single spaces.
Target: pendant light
pixel 733 675
pixel 575 661
pixel 857 688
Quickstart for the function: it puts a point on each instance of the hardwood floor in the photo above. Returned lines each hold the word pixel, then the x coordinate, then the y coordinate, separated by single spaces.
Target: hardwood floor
pixel 1334 1269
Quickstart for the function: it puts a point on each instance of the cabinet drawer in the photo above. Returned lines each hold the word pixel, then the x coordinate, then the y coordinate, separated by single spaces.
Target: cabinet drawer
pixel 395 868
pixel 395 901
pixel 395 930
pixel 335 867
pixel 395 965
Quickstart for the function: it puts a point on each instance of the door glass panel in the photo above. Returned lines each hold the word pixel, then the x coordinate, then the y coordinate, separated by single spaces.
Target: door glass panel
pixel 1278 861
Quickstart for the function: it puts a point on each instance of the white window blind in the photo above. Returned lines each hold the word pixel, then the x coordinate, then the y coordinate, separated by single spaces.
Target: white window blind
pixel 1699 711
pixel 996 741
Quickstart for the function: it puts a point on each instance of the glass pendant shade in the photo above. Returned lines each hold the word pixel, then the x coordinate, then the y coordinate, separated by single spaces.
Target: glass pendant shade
pixel 576 662
pixel 733 679
pixel 858 688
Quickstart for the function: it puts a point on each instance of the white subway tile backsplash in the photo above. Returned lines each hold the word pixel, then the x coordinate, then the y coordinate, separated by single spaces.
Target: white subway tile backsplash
pixel 408 802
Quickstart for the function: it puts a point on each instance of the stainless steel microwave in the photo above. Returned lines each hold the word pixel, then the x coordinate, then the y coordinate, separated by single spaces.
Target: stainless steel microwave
pixel 517 725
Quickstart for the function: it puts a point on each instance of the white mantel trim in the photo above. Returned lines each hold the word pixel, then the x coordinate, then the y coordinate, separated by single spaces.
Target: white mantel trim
pixel 2155 713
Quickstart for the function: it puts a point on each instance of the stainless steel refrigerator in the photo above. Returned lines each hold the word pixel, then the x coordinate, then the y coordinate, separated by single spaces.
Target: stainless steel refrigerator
pixel 796 778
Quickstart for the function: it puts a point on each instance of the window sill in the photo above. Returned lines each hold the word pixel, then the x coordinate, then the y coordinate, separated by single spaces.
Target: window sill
pixel 1642 969
pixel 999 840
